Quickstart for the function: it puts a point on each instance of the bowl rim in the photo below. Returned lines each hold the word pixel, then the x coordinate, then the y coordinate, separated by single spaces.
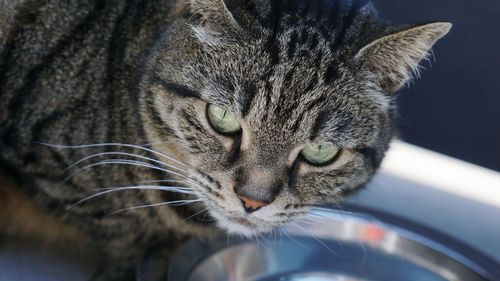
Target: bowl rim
pixel 460 251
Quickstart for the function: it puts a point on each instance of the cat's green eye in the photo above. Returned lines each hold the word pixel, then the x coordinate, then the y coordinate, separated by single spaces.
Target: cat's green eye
pixel 222 120
pixel 319 154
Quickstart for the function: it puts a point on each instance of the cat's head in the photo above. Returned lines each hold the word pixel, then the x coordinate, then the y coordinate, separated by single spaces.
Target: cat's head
pixel 277 105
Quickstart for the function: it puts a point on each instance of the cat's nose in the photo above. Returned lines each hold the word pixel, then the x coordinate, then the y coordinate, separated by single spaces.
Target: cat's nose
pixel 251 205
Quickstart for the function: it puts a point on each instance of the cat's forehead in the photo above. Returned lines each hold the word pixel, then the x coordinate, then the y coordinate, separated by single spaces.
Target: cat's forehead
pixel 344 112
pixel 296 79
pixel 300 100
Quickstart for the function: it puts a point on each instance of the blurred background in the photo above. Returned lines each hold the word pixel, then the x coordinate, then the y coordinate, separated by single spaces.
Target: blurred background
pixel 455 107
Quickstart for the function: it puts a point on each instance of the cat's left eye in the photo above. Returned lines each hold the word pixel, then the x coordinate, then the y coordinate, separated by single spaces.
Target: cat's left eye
pixel 222 120
pixel 320 154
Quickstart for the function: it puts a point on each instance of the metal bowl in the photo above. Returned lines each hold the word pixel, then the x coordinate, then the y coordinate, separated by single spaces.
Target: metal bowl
pixel 337 245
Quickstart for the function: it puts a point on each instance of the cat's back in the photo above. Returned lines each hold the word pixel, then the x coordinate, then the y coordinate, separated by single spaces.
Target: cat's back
pixel 45 48
pixel 67 69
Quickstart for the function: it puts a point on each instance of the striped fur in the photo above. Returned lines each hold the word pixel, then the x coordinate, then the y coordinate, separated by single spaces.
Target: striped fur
pixel 142 72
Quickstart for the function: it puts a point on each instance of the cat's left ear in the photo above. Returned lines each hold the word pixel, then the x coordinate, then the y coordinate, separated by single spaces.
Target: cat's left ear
pixel 394 58
pixel 215 24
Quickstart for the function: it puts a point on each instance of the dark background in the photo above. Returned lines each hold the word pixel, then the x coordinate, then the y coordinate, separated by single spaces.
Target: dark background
pixel 455 107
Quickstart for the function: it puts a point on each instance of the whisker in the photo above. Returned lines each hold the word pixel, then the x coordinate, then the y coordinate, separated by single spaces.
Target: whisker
pixel 144 187
pixel 193 181
pixel 204 218
pixel 114 144
pixel 172 203
pixel 313 236
pixel 133 163
pixel 187 190
pixel 126 162
pixel 123 145
pixel 341 212
pixel 256 239
pixel 124 154
pixel 280 232
pixel 197 213
pixel 264 238
pixel 163 181
pixel 284 231
pixel 273 234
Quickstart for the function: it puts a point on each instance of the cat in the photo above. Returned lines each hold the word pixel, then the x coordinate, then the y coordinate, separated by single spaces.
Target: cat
pixel 196 115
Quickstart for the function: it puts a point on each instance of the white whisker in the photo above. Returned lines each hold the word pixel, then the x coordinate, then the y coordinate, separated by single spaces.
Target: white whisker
pixel 321 214
pixel 291 238
pixel 172 203
pixel 146 165
pixel 313 236
pixel 181 189
pixel 264 238
pixel 280 232
pixel 197 213
pixel 204 218
pixel 192 181
pixel 144 187
pixel 163 181
pixel 124 154
pixel 115 144
pixel 126 162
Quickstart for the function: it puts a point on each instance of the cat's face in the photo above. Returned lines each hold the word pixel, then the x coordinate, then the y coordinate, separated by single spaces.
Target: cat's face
pixel 270 121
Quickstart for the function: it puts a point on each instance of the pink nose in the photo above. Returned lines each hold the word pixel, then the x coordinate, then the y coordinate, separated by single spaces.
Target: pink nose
pixel 251 205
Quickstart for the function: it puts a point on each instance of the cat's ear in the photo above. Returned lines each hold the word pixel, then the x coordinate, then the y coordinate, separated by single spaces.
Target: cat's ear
pixel 395 58
pixel 215 22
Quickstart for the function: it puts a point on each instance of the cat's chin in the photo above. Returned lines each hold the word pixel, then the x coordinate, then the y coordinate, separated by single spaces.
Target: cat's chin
pixel 240 226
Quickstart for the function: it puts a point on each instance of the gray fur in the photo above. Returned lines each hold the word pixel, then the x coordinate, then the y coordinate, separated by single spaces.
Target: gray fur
pixel 142 72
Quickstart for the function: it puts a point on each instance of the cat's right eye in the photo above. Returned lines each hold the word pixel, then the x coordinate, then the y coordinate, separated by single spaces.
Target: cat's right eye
pixel 222 120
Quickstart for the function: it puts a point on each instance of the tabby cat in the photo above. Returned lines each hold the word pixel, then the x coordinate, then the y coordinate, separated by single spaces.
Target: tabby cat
pixel 236 115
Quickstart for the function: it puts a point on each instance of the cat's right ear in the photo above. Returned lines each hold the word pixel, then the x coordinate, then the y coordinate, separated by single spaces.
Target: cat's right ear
pixel 215 24
pixel 395 58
